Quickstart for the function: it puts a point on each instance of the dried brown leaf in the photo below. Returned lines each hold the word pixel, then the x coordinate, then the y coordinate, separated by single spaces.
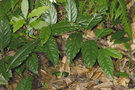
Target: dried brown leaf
pixel 104 85
pixel 123 81
pixel 80 70
pixel 65 67
pixel 68 81
pixel 11 53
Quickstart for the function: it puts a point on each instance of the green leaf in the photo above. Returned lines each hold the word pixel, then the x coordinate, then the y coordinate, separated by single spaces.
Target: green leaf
pixel 89 21
pixel 3 81
pixel 25 7
pixel 3 68
pixel 16 41
pixel 15 18
pixel 17 11
pixel 121 74
pixel 103 32
pixel 20 69
pixel 119 37
pixel 118 34
pixel 44 34
pixel 22 54
pixel 32 63
pixel 115 12
pixel 114 53
pixel 31 4
pixel 124 18
pixel 17 22
pixel 34 20
pixel 5 6
pixel 89 52
pixel 101 2
pixel 60 1
pixel 113 8
pixel 83 20
pixel 2 14
pixel 30 32
pixel 38 24
pixel 102 9
pixel 118 13
pixel 94 20
pixel 105 62
pixel 71 10
pixel 65 74
pixel 64 27
pixel 51 50
pixel 5 34
pixel 49 16
pixel 40 49
pixel 38 11
pixel 127 45
pixel 73 45
pixel 25 84
pixel 82 7
pixel 13 3
pixel 57 73
pixel 17 25
pixel 121 40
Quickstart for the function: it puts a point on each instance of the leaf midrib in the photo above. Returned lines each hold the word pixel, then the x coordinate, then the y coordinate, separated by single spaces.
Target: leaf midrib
pixel 17 56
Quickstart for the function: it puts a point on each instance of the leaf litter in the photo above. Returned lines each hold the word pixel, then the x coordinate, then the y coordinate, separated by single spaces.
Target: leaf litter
pixel 79 76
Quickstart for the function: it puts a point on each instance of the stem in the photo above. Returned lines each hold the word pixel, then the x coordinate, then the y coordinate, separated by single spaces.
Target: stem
pixel 2 51
pixel 8 87
pixel 130 52
pixel 130 55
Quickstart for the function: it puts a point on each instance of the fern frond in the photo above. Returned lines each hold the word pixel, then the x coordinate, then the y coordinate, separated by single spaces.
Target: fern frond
pixel 124 17
pixel 118 10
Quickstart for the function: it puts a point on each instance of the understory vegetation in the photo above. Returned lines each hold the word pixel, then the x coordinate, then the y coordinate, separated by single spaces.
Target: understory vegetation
pixel 31 27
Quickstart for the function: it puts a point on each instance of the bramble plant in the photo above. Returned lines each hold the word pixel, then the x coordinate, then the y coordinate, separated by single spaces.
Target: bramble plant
pixel 20 19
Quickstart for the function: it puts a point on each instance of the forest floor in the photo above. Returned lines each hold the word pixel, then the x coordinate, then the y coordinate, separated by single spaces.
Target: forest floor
pixel 77 76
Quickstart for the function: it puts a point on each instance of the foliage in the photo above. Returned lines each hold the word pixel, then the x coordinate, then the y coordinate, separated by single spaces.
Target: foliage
pixel 102 32
pixel 25 7
pixel 114 53
pixel 38 11
pixel 64 27
pixel 89 52
pixel 17 22
pixel 44 34
pixel 73 45
pixel 105 62
pixel 30 27
pixel 71 10
pixel 32 63
pixel 118 37
pixel 118 11
pixel 21 55
pixel 5 34
pixel 4 75
pixel 51 50
pixel 25 84
pixel 49 16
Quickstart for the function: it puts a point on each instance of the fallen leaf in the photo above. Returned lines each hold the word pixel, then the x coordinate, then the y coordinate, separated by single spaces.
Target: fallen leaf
pixel 80 70
pixel 64 66
pixel 68 81
pixel 89 34
pixel 104 85
pixel 11 53
pixel 78 87
pixel 104 78
pixel 96 75
pixel 123 81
